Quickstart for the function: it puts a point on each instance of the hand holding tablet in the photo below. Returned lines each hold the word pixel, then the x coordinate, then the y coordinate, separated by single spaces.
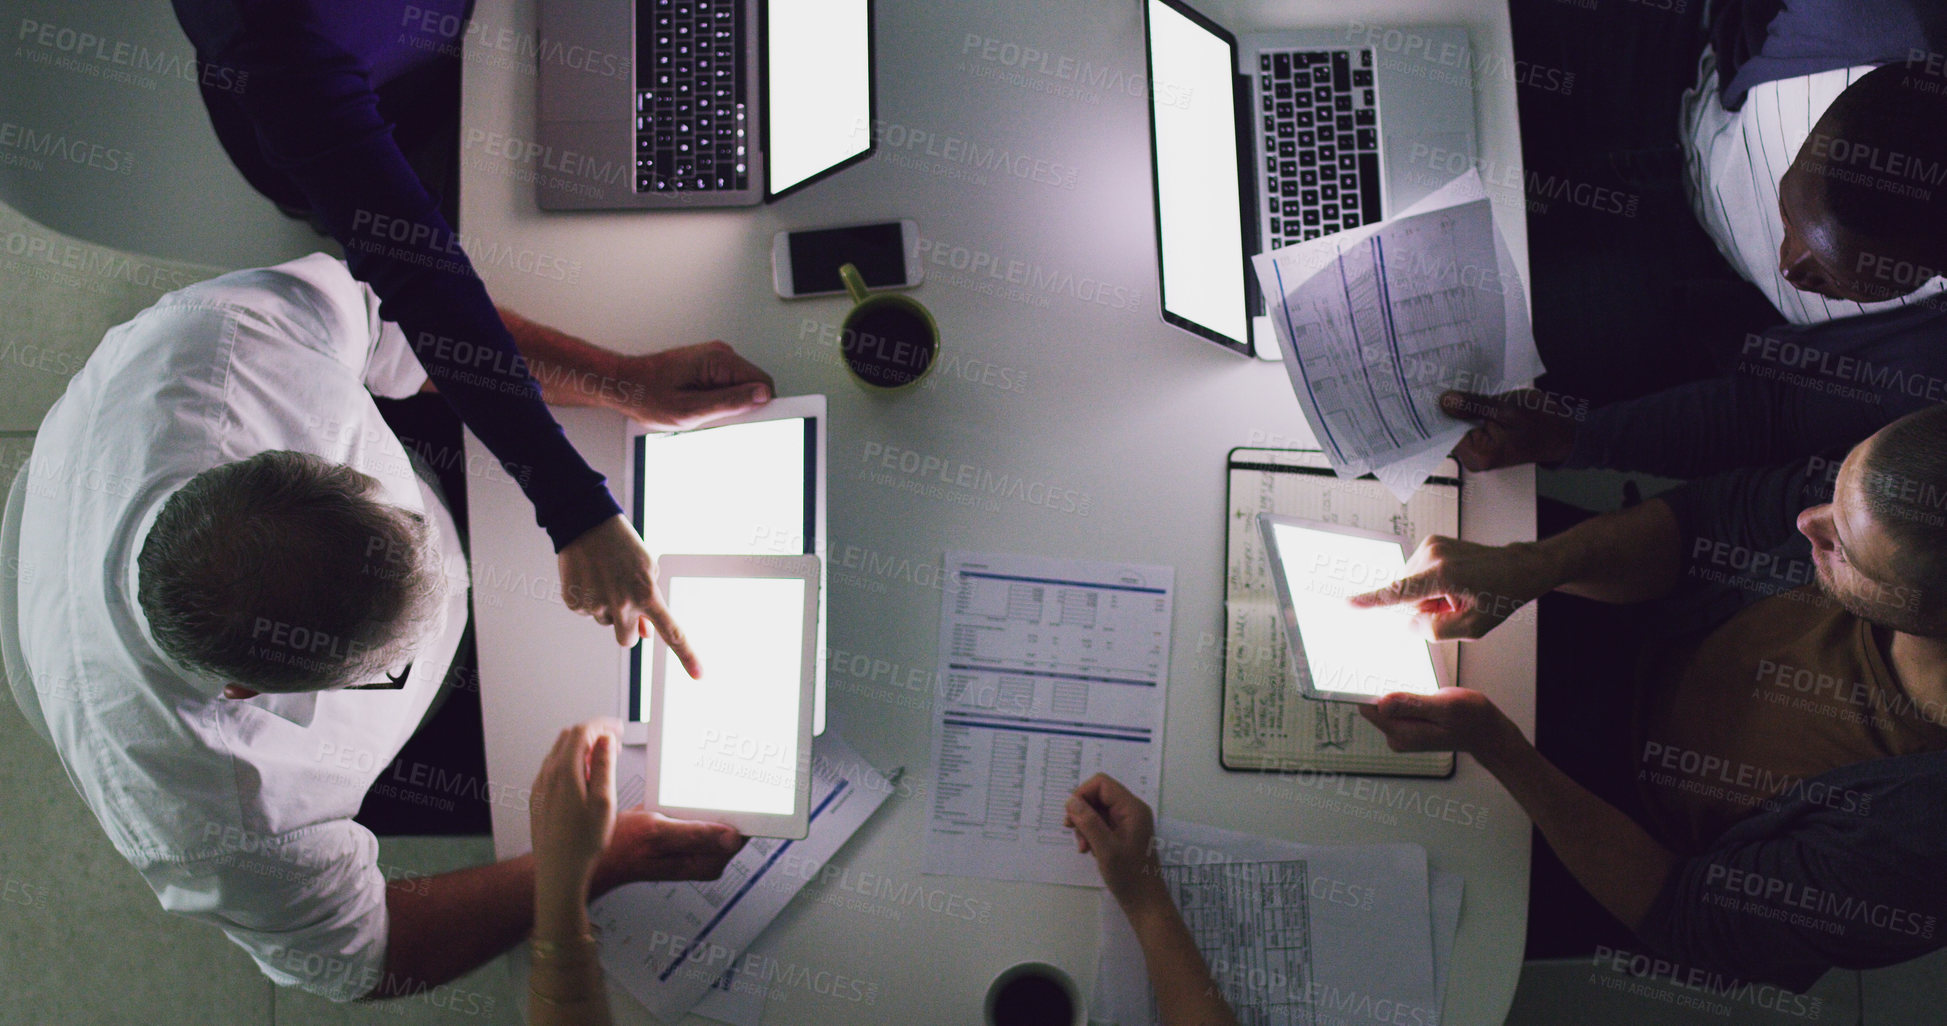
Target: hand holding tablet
pixel 1455 720
pixel 1462 589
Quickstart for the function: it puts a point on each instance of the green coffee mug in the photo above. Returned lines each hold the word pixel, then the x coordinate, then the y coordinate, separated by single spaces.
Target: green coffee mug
pixel 889 341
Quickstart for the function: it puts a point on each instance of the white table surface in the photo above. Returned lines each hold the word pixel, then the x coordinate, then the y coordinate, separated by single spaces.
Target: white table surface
pixel 1100 398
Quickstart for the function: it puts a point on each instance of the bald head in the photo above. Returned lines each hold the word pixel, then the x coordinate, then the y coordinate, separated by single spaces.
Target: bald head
pixel 1865 201
pixel 1880 545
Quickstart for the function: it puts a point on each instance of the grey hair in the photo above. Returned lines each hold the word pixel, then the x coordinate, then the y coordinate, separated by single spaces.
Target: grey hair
pixel 284 573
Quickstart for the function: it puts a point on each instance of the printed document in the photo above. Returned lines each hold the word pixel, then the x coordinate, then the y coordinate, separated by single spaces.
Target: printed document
pixel 1294 934
pixel 1377 321
pixel 669 943
pixel 1050 672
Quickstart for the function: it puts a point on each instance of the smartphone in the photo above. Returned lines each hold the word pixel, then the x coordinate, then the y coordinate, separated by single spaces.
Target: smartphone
pixel 805 263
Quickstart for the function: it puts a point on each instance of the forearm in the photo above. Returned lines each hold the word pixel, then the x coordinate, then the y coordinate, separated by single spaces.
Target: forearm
pixel 570 370
pixel 1613 857
pixel 1185 993
pixel 1632 555
pixel 1702 427
pixel 565 979
pixel 442 927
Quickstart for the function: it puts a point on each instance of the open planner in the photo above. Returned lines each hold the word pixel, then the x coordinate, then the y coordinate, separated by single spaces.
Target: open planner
pixel 1267 724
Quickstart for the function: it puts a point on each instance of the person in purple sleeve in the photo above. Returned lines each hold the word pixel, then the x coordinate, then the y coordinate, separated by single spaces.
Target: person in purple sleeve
pixel 347 115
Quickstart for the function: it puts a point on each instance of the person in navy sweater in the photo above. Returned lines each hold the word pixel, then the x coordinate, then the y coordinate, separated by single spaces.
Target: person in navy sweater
pixel 347 115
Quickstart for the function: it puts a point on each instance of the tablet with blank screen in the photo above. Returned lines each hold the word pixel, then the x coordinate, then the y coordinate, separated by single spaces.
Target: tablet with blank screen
pixel 753 484
pixel 735 746
pixel 1345 654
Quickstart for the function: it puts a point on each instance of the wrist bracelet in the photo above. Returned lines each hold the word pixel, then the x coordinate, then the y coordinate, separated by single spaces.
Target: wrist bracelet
pixel 558 949
pixel 558 1002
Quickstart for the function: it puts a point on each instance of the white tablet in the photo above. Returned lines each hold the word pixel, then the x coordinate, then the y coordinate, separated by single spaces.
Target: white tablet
pixel 735 747
pixel 1341 653
pixel 749 485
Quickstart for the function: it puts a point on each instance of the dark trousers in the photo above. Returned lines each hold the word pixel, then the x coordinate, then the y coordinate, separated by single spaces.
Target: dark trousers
pixel 437 785
pixel 1584 691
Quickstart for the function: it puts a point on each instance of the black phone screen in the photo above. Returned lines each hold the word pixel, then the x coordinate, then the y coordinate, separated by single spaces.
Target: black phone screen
pixel 876 249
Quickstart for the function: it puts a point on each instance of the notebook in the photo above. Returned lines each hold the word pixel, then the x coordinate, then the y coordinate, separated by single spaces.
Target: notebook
pixel 1268 725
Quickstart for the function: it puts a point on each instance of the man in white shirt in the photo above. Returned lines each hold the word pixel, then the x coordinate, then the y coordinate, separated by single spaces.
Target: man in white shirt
pixel 238 575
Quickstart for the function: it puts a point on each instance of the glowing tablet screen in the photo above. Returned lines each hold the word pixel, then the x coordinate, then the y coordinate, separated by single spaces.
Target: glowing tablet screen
pixel 730 741
pixel 1370 652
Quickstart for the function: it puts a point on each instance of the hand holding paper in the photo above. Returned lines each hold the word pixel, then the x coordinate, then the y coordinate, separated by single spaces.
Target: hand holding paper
pixel 1522 426
pixel 1379 321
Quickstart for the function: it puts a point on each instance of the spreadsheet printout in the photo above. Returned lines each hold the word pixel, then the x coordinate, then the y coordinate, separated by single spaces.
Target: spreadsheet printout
pixel 1252 923
pixel 1050 671
pixel 1293 934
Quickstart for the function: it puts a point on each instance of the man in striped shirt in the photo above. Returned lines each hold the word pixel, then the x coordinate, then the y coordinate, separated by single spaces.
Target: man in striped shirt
pixel 1845 239
pixel 1760 130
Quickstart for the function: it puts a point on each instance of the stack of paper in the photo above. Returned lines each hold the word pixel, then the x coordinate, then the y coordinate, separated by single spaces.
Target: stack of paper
pixel 1294 935
pixel 670 943
pixel 1377 321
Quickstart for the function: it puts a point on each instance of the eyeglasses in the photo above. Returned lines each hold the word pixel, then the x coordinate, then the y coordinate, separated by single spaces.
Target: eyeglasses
pixel 390 683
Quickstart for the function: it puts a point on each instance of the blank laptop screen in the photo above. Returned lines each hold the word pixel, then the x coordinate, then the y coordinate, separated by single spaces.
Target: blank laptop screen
pixel 820 87
pixel 1198 206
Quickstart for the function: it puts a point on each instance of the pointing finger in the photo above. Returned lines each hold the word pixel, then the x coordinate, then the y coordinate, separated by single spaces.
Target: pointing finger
pixel 673 636
pixel 1412 588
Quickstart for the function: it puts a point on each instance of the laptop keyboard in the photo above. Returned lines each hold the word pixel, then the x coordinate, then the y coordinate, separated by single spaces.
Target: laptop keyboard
pixel 692 130
pixel 1321 143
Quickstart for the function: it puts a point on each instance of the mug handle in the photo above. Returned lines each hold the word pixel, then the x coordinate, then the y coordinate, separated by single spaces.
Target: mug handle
pixel 854 282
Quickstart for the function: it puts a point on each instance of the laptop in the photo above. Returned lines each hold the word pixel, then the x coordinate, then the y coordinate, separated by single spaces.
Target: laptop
pixel 724 103
pixel 1286 136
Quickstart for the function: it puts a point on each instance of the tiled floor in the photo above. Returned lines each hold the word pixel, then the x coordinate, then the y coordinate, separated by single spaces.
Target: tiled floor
pixel 160 184
pixel 81 937
pixel 83 941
